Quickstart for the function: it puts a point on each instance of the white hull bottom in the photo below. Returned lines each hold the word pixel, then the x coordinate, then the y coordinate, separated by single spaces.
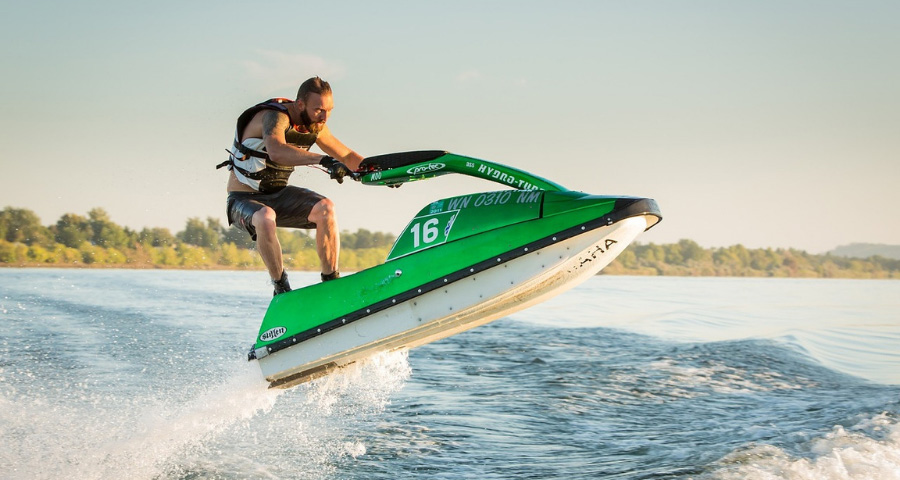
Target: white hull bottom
pixel 467 303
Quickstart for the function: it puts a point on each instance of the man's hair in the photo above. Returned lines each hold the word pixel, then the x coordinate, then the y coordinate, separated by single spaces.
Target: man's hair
pixel 313 85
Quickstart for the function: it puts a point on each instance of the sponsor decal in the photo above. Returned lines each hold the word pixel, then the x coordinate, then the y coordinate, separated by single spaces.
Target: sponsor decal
pixel 599 249
pixel 272 334
pixel 376 176
pixel 450 224
pixel 431 167
pixel 506 178
pixel 437 207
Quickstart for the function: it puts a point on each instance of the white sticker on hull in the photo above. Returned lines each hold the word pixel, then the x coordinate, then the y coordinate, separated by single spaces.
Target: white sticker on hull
pixel 272 334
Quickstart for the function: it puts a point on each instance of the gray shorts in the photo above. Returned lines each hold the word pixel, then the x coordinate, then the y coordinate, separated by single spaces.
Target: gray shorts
pixel 292 207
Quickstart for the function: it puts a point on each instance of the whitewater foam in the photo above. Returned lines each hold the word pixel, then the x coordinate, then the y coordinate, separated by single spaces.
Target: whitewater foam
pixel 100 437
pixel 869 450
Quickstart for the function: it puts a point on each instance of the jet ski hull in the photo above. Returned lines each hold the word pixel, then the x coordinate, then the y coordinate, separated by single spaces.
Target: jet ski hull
pixel 538 273
pixel 461 262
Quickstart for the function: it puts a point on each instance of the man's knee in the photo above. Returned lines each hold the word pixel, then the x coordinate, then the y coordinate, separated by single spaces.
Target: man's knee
pixel 264 221
pixel 322 211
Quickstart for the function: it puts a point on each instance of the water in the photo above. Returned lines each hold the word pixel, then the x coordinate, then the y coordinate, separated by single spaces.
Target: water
pixel 142 374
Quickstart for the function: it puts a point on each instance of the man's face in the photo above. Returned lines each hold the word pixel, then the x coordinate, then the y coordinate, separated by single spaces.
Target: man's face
pixel 316 111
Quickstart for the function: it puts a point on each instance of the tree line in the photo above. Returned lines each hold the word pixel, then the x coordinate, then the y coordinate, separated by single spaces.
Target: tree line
pixel 687 258
pixel 95 240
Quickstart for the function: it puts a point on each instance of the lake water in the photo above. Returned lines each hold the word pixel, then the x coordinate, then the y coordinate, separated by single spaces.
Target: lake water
pixel 143 374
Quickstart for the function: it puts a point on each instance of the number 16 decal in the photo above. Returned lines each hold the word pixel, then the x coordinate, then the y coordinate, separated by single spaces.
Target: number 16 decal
pixel 424 232
pixel 429 232
pixel 432 229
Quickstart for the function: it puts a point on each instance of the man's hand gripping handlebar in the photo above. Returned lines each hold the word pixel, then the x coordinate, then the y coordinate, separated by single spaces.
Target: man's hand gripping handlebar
pixel 337 170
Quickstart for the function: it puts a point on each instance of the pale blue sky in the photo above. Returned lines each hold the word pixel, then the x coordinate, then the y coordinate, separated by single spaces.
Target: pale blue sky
pixel 766 123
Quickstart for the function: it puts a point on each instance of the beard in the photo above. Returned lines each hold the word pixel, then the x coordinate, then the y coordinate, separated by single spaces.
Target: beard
pixel 311 127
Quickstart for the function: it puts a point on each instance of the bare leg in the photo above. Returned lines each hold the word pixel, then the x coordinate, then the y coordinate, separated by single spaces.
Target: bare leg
pixel 267 242
pixel 328 242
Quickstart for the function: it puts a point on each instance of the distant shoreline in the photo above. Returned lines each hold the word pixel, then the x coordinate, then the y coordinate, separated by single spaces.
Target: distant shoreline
pixel 95 241
pixel 613 271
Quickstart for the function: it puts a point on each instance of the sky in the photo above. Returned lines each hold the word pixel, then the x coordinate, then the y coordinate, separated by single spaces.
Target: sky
pixel 768 123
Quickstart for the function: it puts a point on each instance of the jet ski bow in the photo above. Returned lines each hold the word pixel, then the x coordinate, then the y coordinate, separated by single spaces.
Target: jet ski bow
pixel 461 262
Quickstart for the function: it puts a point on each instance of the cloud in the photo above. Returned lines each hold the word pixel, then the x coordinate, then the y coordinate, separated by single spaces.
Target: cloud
pixel 275 71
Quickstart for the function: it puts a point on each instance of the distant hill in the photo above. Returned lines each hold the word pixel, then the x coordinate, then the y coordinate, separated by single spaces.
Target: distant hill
pixel 866 250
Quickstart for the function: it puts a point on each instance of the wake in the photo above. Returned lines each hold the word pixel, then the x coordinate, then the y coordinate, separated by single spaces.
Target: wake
pixel 228 429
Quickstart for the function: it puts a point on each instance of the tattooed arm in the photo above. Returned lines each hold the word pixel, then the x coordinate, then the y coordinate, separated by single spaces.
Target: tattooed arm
pixel 273 126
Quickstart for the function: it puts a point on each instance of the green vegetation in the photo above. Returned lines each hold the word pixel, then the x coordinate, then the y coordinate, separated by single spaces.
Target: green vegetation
pixel 866 250
pixel 686 258
pixel 96 241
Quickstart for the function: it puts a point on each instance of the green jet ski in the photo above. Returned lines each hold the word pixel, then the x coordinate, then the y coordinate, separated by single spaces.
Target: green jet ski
pixel 460 263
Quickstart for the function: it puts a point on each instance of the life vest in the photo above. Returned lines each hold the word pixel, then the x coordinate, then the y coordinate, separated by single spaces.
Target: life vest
pixel 248 159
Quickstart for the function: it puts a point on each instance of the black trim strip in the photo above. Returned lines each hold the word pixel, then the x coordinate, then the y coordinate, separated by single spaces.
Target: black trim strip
pixel 623 208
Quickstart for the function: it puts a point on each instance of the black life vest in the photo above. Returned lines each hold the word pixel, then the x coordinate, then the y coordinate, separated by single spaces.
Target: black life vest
pixel 251 164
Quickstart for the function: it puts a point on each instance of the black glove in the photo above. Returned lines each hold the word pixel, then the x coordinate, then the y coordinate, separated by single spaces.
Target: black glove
pixel 336 169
